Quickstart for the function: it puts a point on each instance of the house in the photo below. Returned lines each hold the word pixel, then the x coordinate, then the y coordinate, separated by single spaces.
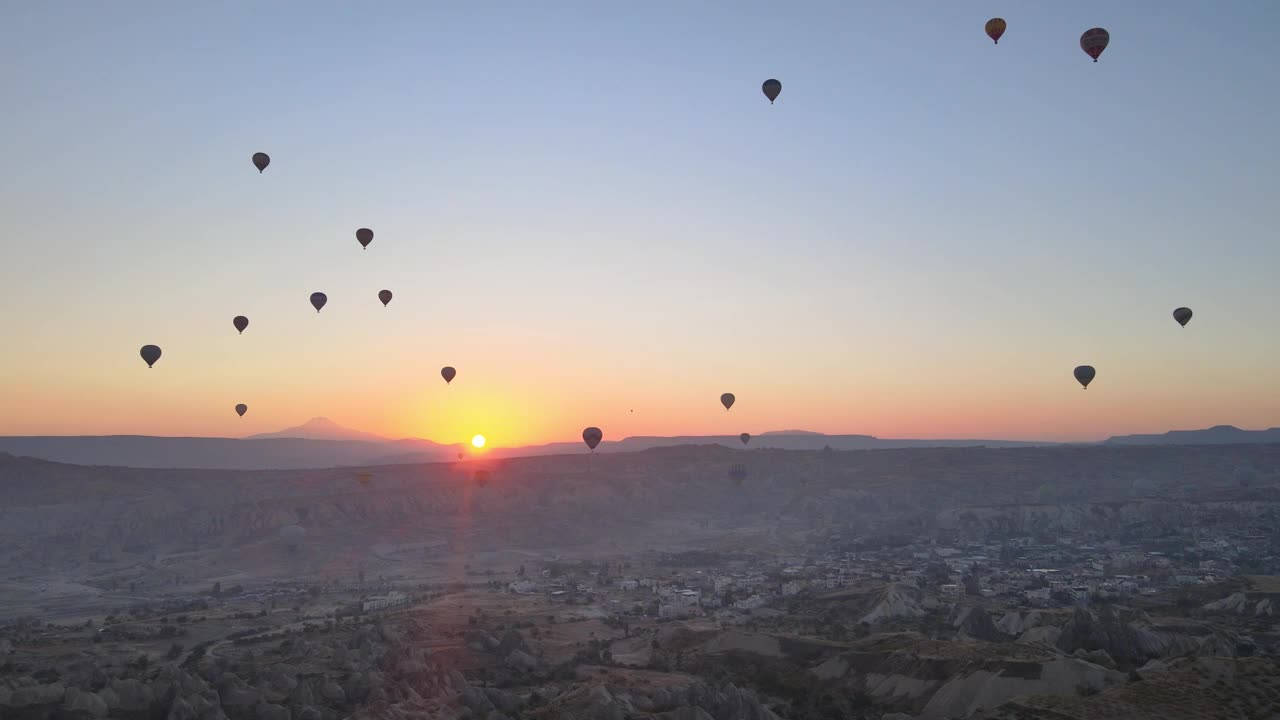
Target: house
pixel 628 585
pixel 385 602
pixel 521 587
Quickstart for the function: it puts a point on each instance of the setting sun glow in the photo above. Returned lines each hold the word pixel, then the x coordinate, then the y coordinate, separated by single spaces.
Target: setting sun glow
pixel 478 441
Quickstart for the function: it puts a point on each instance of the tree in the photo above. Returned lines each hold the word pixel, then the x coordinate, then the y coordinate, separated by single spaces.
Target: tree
pixel 521 573
pixel 217 589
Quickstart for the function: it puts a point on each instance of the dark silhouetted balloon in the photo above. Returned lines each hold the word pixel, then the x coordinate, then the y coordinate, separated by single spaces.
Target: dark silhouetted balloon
pixel 727 400
pixel 384 296
pixel 995 28
pixel 482 477
pixel 241 322
pixel 261 161
pixel 241 409
pixel 365 478
pixel 150 353
pixel 1182 315
pixel 1245 475
pixel 745 438
pixel 772 88
pixel 461 455
pixel 1094 41
pixel 1085 374
pixel 592 436
pixel 364 236
pixel 448 374
pixel 318 299
pixel 292 535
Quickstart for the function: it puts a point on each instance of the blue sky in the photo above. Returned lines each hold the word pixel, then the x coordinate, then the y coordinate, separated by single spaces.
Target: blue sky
pixel 582 199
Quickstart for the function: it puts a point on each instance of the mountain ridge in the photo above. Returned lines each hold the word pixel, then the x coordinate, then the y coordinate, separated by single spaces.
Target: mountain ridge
pixel 1216 435
pixel 282 450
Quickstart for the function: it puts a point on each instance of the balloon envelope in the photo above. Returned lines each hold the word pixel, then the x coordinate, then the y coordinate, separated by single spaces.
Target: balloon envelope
pixel 261 161
pixel 739 473
pixel 292 535
pixel 745 438
pixel 1084 375
pixel 1182 315
pixel 772 88
pixel 241 322
pixel 727 400
pixel 384 296
pixel 241 409
pixel 592 436
pixel 150 353
pixel 448 374
pixel 364 236
pixel 1094 41
pixel 318 299
pixel 995 28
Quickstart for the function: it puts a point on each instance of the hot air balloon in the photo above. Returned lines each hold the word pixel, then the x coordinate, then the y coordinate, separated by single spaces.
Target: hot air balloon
pixel 292 535
pixel 261 161
pixel 448 374
pixel 995 28
pixel 365 478
pixel 727 400
pixel 482 477
pixel 1245 475
pixel 461 455
pixel 1094 41
pixel 772 88
pixel 364 236
pixel 384 296
pixel 739 473
pixel 745 438
pixel 1182 315
pixel 150 353
pixel 1084 375
pixel 240 322
pixel 592 436
pixel 318 299
pixel 241 409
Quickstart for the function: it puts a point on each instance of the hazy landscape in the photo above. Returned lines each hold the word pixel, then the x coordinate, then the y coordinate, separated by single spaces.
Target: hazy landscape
pixel 825 583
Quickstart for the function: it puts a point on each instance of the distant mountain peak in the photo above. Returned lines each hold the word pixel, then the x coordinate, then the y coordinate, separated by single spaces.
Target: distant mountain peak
pixel 320 428
pixel 791 432
pixel 1218 434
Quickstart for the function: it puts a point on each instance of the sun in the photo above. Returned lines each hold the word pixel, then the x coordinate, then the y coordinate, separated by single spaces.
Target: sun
pixel 477 441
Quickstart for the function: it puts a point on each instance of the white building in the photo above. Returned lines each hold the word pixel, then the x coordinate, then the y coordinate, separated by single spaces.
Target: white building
pixel 384 602
pixel 522 587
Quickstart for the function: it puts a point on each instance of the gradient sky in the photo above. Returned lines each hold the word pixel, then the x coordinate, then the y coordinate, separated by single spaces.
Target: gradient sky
pixel 590 208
